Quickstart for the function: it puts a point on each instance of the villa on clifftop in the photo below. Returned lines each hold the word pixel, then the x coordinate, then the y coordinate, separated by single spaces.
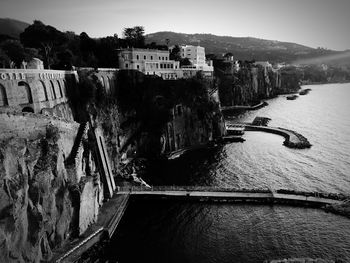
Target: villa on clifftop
pixel 158 62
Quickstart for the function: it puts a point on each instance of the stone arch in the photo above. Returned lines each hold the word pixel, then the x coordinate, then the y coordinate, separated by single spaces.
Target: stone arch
pixel 103 82
pixel 110 82
pixel 3 96
pixel 64 86
pixel 59 86
pixel 108 88
pixel 28 109
pixel 45 90
pixel 53 92
pixel 27 90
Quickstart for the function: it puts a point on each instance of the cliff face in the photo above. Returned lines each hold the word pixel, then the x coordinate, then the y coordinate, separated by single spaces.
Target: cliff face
pixel 251 84
pixel 41 192
pixel 169 115
pixel 290 79
pixel 146 116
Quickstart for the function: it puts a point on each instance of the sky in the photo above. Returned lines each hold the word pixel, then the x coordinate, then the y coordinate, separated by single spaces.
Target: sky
pixel 314 23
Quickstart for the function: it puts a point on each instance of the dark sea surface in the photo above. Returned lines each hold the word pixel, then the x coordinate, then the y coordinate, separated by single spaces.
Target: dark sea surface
pixel 174 231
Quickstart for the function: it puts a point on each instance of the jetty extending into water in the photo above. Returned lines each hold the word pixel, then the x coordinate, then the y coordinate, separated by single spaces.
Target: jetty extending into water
pixel 244 107
pixel 207 193
pixel 292 138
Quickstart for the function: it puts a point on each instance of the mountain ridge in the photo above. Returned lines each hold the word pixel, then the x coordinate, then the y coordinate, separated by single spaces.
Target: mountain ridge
pixel 12 27
pixel 243 48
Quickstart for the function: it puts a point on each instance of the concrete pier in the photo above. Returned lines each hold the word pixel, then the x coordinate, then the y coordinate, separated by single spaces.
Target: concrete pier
pixel 244 107
pixel 226 194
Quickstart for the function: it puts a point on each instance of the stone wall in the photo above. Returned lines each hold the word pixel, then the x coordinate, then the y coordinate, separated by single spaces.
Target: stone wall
pixel 106 76
pixel 32 90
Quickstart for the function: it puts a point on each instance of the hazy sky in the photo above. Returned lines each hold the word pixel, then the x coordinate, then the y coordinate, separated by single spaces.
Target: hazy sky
pixel 314 23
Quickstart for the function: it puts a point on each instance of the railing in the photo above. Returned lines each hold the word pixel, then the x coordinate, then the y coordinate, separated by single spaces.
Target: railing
pixel 130 189
pixel 189 188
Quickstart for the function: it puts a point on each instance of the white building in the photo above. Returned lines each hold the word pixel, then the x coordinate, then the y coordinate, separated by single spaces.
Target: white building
pixel 149 62
pixel 196 56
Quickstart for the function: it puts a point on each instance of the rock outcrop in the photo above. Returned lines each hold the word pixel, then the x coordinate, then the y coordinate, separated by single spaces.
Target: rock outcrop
pixel 41 197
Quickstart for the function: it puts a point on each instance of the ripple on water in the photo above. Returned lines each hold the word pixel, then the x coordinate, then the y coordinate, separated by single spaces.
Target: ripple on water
pixel 183 232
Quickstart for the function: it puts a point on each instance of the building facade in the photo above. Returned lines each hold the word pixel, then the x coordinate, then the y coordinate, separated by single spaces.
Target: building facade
pixel 149 62
pixel 196 55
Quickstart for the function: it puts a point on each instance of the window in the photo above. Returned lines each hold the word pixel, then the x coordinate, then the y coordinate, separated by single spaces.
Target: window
pixel 171 66
pixel 151 57
pixel 166 58
pixel 159 58
pixel 144 57
pixel 137 57
pixel 138 66
pixel 156 65
pixel 162 58
pixel 126 65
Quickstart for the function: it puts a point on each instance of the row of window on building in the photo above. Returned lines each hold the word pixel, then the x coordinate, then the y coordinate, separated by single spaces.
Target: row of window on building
pixel 161 65
pixel 151 57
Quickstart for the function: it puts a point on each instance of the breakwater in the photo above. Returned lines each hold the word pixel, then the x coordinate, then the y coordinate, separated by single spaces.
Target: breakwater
pixel 292 138
pixel 244 107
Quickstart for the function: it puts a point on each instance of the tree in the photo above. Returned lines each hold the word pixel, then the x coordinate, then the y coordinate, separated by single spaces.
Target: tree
pixel 134 36
pixel 106 53
pixel 14 50
pixel 65 59
pixel 44 37
pixel 4 59
pixel 175 53
pixel 185 62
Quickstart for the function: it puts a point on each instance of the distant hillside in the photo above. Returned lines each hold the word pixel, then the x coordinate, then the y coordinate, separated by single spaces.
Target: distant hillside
pixel 12 27
pixel 243 48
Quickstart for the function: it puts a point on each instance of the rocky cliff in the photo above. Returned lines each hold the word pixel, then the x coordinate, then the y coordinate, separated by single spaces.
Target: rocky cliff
pixel 43 187
pixel 251 83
